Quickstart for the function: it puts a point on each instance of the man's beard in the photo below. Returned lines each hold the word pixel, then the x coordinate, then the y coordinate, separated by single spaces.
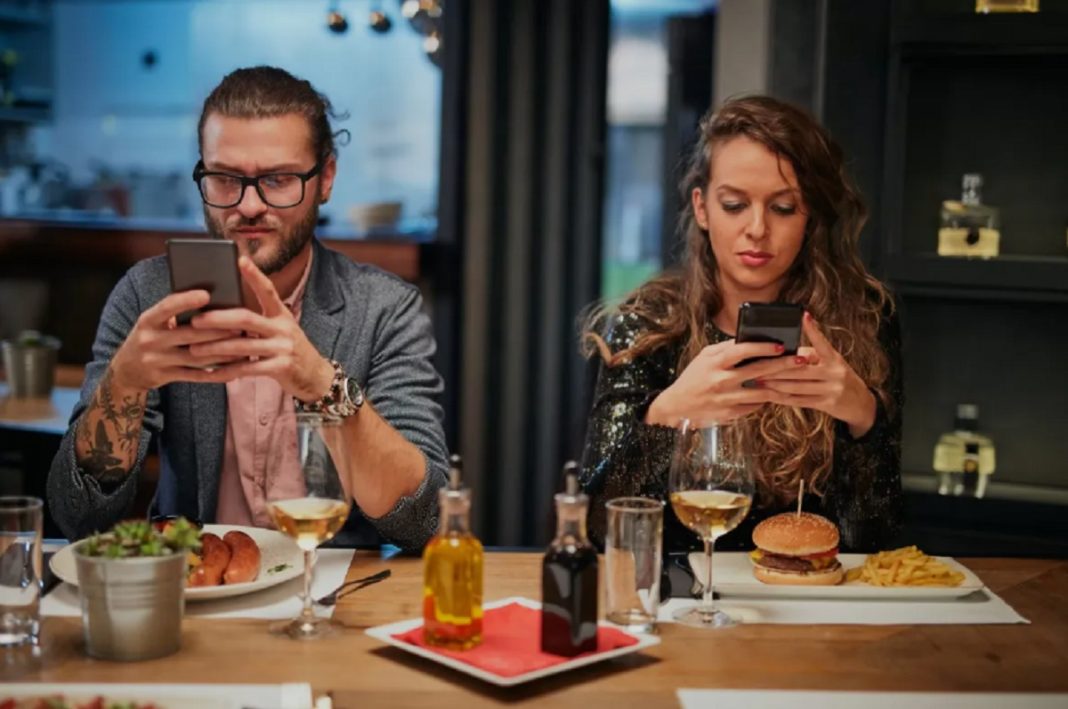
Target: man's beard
pixel 291 241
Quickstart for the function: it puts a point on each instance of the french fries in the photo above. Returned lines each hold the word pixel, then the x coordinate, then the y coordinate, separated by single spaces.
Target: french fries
pixel 907 566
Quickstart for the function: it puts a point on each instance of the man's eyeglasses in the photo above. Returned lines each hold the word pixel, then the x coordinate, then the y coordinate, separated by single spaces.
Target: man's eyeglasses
pixel 278 189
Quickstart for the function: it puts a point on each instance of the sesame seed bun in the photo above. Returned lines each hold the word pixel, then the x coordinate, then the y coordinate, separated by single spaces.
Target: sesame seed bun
pixel 790 534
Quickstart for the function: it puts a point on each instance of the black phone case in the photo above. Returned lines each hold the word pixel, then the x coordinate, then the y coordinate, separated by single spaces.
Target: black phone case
pixel 209 264
pixel 770 322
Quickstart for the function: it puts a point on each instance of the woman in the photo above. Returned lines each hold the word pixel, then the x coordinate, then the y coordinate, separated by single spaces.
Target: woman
pixel 770 215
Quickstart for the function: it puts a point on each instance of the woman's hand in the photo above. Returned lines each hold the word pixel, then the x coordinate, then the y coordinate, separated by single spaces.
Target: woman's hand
pixel 712 389
pixel 826 384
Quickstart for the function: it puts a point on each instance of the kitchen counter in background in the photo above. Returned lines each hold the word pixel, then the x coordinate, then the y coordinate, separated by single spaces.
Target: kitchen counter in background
pixel 55 275
pixel 121 243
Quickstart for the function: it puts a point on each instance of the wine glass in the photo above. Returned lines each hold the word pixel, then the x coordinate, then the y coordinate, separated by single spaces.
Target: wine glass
pixel 711 490
pixel 313 510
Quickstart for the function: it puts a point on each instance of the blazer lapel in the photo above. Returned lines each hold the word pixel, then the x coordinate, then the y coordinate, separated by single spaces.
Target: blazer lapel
pixel 320 312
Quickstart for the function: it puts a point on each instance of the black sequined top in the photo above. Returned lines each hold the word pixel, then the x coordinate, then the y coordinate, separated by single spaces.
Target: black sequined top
pixel 624 456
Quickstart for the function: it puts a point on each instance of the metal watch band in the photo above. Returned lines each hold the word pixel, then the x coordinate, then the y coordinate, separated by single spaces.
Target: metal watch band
pixel 336 401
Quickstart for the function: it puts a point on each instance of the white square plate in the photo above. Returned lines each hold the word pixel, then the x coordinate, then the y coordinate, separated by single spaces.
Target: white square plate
pixel 732 577
pixel 385 633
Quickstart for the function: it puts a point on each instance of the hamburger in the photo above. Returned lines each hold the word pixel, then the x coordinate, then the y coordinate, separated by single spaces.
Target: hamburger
pixel 797 550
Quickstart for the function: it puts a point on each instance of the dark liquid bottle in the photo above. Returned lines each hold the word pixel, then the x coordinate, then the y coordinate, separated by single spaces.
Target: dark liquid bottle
pixel 569 580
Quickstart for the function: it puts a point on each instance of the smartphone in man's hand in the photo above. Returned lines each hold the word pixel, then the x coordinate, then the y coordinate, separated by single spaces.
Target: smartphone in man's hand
pixel 770 322
pixel 207 264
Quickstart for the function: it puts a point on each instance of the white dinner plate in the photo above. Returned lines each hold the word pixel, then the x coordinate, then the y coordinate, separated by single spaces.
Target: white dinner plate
pixel 732 577
pixel 280 560
pixel 385 633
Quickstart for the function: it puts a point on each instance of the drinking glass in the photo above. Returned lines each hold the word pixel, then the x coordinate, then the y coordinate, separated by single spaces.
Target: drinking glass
pixel 314 512
pixel 711 489
pixel 20 570
pixel 632 562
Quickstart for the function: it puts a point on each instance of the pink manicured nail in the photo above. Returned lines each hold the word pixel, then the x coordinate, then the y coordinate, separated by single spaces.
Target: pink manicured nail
pixel 800 360
pixel 780 349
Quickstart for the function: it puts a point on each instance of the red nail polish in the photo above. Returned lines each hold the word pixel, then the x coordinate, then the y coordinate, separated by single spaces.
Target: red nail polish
pixel 800 360
pixel 780 349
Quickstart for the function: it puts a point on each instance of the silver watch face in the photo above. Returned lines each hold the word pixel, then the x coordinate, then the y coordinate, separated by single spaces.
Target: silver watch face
pixel 354 392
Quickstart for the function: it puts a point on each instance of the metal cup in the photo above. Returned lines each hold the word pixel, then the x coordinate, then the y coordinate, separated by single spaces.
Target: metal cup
pixel 21 522
pixel 31 367
pixel 632 561
pixel 132 608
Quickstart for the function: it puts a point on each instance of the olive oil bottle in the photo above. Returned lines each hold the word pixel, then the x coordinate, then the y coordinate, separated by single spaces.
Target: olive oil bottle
pixel 452 572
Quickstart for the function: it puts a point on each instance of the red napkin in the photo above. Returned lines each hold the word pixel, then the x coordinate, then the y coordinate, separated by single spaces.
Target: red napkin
pixel 511 642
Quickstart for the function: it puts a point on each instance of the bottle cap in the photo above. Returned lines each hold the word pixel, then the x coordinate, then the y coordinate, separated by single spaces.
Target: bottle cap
pixel 455 471
pixel 967 417
pixel 571 486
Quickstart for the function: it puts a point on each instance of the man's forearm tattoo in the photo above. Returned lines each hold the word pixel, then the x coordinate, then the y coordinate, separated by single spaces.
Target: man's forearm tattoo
pixel 101 464
pixel 128 422
pixel 98 440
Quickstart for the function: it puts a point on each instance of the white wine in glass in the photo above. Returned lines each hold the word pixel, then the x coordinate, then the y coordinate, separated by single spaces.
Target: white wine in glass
pixel 710 486
pixel 316 516
pixel 310 520
pixel 710 513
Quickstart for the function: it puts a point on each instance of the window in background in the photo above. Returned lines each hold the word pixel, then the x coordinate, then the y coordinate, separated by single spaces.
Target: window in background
pixel 130 78
pixel 638 73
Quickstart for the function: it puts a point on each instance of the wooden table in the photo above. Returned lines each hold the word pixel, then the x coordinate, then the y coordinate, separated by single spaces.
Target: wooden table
pixel 360 672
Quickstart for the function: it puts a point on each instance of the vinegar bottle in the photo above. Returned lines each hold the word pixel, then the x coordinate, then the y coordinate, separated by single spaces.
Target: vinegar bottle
pixel 569 577
pixel 452 572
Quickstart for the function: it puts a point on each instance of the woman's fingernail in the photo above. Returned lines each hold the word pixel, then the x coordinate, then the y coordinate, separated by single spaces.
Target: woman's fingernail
pixel 780 349
pixel 800 360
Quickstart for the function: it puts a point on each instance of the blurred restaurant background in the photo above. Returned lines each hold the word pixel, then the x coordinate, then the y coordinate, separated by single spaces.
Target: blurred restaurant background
pixel 517 159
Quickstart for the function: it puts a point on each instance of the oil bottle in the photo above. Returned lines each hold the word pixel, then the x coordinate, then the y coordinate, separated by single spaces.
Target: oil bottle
pixel 452 572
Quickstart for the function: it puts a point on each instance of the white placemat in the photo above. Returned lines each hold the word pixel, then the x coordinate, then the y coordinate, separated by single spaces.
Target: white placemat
pixel 177 696
pixel 979 608
pixel 775 699
pixel 275 603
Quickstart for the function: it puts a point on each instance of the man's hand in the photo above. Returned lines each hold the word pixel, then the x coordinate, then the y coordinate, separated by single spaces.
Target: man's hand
pixel 156 351
pixel 274 345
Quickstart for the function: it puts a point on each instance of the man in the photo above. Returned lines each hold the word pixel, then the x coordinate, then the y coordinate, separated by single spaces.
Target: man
pixel 318 332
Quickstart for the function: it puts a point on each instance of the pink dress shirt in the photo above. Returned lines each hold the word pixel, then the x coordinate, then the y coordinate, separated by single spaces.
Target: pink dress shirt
pixel 260 452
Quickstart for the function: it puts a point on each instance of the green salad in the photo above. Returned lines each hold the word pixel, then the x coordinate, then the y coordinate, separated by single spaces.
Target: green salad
pixel 139 538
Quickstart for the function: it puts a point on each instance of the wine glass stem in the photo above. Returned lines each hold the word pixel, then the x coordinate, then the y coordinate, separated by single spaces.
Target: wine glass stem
pixel 309 557
pixel 708 605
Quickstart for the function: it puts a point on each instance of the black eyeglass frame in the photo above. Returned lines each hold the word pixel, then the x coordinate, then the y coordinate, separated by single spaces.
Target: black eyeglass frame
pixel 200 172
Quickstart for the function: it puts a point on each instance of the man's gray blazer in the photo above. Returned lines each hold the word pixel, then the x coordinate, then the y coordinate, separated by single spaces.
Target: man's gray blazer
pixel 368 320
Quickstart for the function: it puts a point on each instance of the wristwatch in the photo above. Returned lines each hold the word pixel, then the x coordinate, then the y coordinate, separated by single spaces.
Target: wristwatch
pixel 343 399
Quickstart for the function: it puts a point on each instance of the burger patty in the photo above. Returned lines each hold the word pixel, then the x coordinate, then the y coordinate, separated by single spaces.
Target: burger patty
pixel 792 563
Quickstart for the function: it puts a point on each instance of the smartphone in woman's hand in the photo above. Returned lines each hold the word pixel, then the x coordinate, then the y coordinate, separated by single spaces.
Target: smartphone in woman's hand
pixel 770 322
